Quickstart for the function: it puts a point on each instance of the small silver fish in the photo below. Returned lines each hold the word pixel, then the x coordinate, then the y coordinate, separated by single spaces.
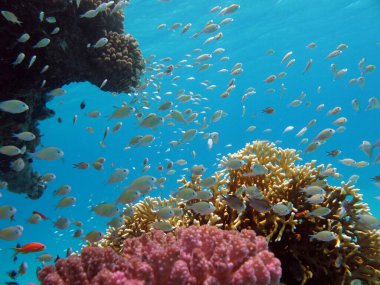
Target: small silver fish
pixel 260 205
pixel 42 43
pixel 281 209
pixel 23 38
pixel 235 203
pixel 19 58
pixel 323 236
pixel 202 208
pixel 320 212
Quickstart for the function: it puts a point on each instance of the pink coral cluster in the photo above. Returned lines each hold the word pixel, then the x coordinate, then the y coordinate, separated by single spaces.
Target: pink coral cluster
pixel 194 255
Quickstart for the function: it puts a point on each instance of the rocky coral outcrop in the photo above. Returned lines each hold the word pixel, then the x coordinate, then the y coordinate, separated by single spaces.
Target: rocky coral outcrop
pixel 52 43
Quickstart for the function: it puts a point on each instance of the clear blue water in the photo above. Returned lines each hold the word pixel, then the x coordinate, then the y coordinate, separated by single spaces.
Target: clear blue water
pixel 258 26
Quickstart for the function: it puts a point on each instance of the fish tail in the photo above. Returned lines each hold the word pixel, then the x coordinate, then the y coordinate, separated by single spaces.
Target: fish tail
pixel 15 253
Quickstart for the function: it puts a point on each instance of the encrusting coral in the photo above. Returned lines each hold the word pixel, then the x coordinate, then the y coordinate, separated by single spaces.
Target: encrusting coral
pixel 345 246
pixel 193 255
pixel 52 44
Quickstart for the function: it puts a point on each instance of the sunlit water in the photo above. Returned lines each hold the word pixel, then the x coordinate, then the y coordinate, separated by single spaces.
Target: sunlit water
pixel 258 26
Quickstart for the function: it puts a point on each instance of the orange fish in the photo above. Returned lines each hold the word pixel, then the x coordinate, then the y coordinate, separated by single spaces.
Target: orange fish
pixel 302 214
pixel 30 247
pixel 41 215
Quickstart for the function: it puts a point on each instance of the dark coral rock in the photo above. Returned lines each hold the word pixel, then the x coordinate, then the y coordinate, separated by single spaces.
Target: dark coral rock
pixel 69 59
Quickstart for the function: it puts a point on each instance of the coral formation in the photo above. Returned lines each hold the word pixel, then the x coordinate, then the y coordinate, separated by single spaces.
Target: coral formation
pixel 194 255
pixel 59 48
pixel 352 252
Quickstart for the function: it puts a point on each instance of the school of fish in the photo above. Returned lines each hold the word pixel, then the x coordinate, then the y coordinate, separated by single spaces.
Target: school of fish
pixel 187 114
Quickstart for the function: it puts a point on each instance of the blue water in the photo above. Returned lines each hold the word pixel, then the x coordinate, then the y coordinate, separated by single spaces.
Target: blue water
pixel 258 26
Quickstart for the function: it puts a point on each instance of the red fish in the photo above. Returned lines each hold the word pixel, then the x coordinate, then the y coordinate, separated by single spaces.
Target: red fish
pixel 41 215
pixel 302 214
pixel 30 247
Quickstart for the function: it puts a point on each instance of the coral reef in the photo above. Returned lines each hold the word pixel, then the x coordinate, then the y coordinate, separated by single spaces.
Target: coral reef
pixel 59 48
pixel 194 255
pixel 353 252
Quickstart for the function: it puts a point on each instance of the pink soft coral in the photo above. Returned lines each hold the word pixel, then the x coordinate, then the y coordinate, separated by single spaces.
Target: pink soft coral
pixel 191 256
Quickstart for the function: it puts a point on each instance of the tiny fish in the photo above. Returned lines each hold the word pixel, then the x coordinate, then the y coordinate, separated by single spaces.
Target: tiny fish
pixel 165 213
pixel 11 150
pixel 128 196
pixel 29 248
pixel 204 195
pixel 94 236
pixel 19 59
pixel 100 43
pixel 42 43
pixel 315 199
pixel 281 209
pixel 286 56
pixel 49 153
pixel 233 163
pixel 198 170
pixel 34 219
pixel 260 205
pixel 89 14
pixel 235 203
pixel 368 221
pixel 66 202
pixel 320 212
pixel 10 17
pixel 311 190
pixel 229 10
pixel 11 233
pixel 323 236
pixel 55 31
pixel 13 106
pixel 186 194
pixel 202 208
pixel 163 226
pixel 105 209
pixel 207 182
pixel 333 54
pixel 118 175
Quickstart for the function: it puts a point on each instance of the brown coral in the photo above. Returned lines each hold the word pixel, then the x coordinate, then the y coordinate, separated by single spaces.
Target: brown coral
pixel 354 254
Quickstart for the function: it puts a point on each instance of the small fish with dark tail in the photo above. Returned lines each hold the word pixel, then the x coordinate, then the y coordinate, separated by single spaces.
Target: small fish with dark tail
pixel 334 152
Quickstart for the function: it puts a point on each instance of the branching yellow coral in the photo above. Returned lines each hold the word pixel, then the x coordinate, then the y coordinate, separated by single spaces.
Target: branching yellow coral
pixel 343 247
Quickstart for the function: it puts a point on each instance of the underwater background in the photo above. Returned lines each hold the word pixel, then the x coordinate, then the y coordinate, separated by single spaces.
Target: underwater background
pixel 258 26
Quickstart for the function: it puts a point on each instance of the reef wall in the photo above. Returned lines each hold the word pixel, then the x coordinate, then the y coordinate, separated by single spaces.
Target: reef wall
pixel 51 43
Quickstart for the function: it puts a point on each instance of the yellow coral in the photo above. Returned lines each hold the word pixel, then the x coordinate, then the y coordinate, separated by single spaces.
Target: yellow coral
pixel 354 254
